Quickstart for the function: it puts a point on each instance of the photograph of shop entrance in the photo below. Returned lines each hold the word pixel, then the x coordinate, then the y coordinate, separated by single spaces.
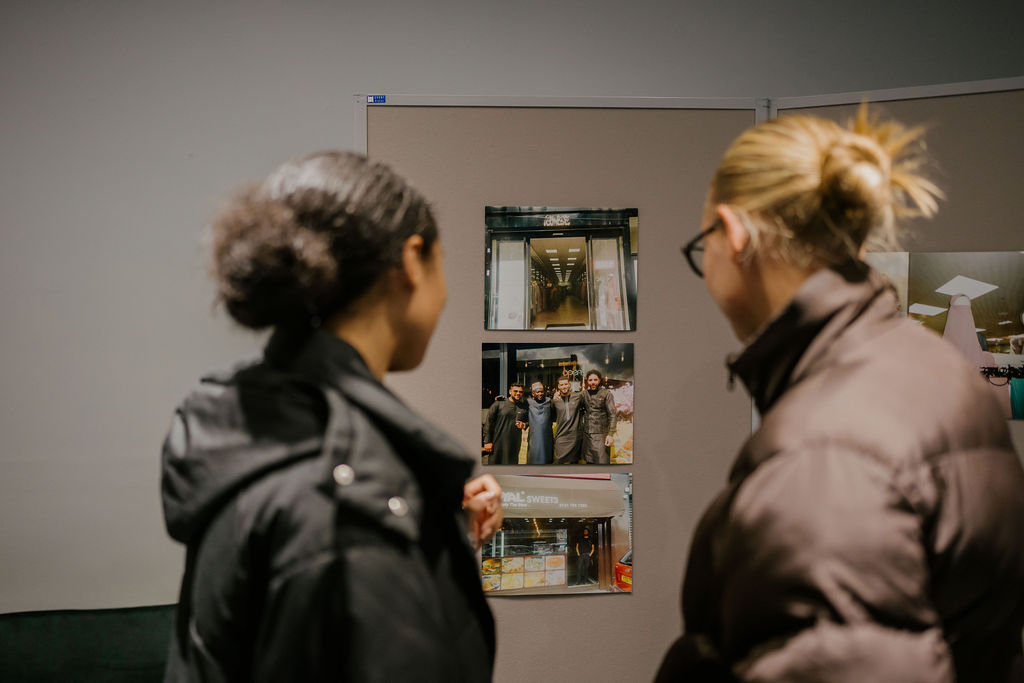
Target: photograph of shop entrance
pixel 557 404
pixel 975 300
pixel 562 534
pixel 549 268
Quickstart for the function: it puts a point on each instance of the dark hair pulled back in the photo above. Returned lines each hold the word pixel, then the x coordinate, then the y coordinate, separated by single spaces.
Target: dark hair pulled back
pixel 313 238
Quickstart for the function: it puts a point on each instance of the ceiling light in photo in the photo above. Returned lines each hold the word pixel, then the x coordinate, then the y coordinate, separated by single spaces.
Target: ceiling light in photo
pixel 967 286
pixel 925 309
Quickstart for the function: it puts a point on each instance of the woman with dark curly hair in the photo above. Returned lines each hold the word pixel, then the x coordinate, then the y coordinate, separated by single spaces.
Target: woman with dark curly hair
pixel 872 528
pixel 329 528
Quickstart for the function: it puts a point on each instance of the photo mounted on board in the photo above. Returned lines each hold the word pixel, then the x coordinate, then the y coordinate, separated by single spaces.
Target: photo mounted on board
pixel 557 404
pixel 548 268
pixel 975 300
pixel 562 535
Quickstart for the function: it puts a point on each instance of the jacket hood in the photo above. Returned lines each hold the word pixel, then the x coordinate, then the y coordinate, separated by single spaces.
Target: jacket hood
pixel 228 432
pixel 237 427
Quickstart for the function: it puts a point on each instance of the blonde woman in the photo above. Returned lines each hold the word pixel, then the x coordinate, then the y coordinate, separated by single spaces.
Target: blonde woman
pixel 872 529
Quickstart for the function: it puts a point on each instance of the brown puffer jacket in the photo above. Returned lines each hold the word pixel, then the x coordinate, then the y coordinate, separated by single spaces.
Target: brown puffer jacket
pixel 873 527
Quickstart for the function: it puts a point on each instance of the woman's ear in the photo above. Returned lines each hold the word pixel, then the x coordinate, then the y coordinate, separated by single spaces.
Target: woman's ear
pixel 413 261
pixel 736 233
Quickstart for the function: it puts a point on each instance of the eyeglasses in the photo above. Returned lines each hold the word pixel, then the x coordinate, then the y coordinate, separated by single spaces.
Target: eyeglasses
pixel 694 249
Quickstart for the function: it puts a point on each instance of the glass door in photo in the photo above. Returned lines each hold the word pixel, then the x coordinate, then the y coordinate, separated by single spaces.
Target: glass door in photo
pixel 508 291
pixel 608 284
pixel 559 297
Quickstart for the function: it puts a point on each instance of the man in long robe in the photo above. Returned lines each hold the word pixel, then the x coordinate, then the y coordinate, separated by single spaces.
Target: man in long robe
pixel 599 405
pixel 568 423
pixel 539 414
pixel 503 432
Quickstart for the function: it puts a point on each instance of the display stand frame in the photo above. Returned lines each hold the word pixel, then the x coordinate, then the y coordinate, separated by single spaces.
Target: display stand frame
pixel 761 106
pixel 777 104
pixel 765 108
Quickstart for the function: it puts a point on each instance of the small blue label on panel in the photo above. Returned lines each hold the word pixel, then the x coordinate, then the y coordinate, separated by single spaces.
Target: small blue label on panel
pixel 376 99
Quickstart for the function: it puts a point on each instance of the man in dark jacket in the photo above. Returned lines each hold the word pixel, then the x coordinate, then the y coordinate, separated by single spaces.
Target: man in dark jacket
pixel 584 554
pixel 325 534
pixel 503 428
pixel 568 423
pixel 599 408
pixel 871 529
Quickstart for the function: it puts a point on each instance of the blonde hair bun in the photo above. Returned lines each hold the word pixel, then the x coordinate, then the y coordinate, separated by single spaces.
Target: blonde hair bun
pixel 856 196
pixel 848 179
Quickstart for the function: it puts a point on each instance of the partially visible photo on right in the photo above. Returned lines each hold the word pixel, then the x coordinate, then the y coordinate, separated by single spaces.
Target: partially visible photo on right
pixel 975 300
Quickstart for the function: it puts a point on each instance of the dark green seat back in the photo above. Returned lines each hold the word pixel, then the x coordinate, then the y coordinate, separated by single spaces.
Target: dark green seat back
pixel 105 645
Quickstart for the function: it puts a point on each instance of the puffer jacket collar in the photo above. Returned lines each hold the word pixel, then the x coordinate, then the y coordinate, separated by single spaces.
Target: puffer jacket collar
pixel 383 484
pixel 829 313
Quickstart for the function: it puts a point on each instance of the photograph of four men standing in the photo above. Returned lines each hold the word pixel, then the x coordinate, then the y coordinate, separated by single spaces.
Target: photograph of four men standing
pixel 568 414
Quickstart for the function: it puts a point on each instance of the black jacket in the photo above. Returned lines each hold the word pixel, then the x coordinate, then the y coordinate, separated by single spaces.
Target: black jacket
pixel 872 529
pixel 599 407
pixel 324 530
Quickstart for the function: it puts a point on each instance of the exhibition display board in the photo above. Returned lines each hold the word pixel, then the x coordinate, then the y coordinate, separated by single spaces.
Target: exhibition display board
pixel 654 156
pixel 976 143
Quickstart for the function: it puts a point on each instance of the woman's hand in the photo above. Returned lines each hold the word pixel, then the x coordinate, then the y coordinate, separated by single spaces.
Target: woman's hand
pixel 481 501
